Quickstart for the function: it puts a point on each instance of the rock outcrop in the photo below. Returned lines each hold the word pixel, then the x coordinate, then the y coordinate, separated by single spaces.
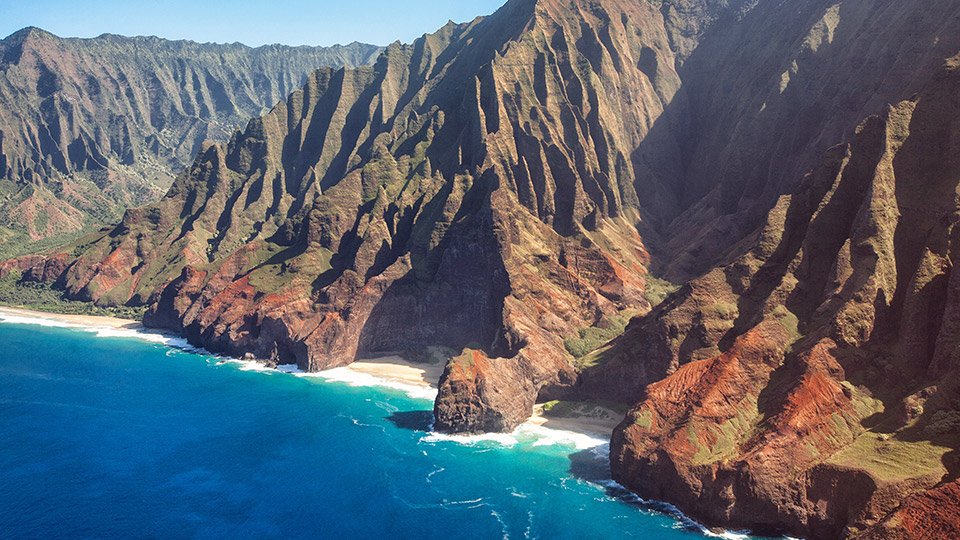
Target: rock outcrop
pixel 92 126
pixel 930 514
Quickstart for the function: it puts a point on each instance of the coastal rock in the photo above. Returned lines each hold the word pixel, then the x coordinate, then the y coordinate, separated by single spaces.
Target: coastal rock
pixel 481 395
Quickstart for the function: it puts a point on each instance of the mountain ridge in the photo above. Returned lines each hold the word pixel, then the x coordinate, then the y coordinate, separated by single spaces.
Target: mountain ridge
pixel 93 125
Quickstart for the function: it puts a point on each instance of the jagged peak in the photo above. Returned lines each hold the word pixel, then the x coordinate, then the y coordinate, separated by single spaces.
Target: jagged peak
pixel 30 31
pixel 11 47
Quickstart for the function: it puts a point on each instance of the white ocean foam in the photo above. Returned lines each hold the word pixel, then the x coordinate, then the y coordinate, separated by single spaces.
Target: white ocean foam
pixel 248 365
pixel 37 321
pixel 289 368
pixel 169 340
pixel 503 439
pixel 544 436
pixel 357 379
pixel 531 434
pixel 728 535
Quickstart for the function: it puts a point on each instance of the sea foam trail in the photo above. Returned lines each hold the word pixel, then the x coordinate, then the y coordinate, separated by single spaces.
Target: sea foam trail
pixel 621 493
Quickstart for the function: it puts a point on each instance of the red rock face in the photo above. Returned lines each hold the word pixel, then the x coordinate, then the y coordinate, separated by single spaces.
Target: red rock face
pixel 931 514
pixel 36 267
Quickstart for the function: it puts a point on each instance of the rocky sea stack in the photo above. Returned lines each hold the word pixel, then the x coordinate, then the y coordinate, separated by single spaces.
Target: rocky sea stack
pixel 507 188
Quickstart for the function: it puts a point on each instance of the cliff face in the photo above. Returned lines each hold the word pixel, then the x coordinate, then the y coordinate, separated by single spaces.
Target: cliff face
pixel 835 395
pixel 476 187
pixel 91 126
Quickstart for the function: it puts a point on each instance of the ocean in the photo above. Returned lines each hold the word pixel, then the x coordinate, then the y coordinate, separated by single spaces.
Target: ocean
pixel 108 433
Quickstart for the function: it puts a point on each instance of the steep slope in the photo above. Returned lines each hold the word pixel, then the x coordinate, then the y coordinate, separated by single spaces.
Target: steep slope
pixel 768 90
pixel 835 395
pixel 91 126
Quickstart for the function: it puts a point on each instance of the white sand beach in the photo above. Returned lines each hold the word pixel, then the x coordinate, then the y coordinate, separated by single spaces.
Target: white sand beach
pixel 396 367
pixel 80 320
pixel 581 424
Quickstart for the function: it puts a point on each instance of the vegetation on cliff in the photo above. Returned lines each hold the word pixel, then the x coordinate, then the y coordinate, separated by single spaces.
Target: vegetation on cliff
pixel 42 296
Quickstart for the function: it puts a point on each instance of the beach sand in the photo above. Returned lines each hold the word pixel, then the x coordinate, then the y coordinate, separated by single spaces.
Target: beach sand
pixel 581 424
pixel 81 320
pixel 396 367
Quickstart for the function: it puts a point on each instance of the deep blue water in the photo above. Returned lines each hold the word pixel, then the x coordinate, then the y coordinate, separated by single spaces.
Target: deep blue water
pixel 111 436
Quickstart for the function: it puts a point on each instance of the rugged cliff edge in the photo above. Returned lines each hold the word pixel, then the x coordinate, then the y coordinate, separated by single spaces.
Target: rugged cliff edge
pixel 92 126
pixel 502 188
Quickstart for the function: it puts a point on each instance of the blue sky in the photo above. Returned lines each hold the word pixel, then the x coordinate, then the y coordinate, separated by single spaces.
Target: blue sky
pixel 254 22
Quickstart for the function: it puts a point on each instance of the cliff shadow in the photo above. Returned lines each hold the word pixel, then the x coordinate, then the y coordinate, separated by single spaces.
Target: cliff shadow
pixel 412 420
pixel 453 293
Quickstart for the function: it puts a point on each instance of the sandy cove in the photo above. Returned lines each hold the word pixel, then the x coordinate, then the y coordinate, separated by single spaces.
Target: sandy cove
pixel 602 427
pixel 397 368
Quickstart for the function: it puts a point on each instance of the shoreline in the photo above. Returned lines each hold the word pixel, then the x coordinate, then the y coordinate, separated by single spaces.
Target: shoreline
pixel 389 368
pixel 96 321
pixel 576 432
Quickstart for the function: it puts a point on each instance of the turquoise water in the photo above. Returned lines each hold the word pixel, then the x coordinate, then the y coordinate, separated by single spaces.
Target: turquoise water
pixel 115 436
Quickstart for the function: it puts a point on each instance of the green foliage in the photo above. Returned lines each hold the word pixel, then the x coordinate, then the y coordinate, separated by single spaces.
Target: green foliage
pixel 584 409
pixel 42 297
pixel 657 290
pixel 592 337
pixel 15 243
pixel 893 459
pixel 595 358
pixel 725 310
pixel 644 419
pixel 788 321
